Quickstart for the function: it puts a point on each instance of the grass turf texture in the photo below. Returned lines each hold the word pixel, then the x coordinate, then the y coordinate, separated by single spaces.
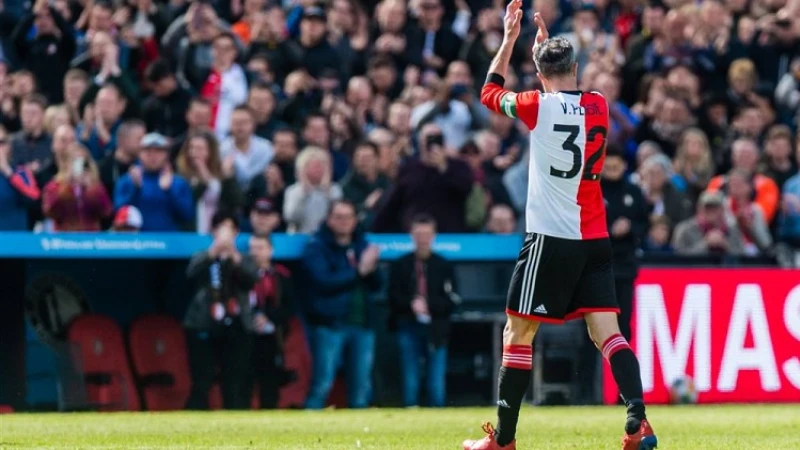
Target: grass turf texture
pixel 747 427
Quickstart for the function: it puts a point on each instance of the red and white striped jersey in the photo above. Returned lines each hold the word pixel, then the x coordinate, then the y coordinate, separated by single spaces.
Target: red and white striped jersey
pixel 567 150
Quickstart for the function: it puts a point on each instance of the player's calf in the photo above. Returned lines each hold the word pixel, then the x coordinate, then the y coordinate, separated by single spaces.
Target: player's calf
pixel 604 330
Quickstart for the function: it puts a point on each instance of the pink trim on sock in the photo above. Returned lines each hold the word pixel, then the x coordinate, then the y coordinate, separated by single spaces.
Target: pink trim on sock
pixel 614 344
pixel 518 356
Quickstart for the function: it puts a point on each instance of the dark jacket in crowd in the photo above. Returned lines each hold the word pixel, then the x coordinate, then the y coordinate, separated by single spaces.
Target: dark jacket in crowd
pixel 403 289
pixel 337 294
pixel 423 189
pixel 625 199
pixel 236 281
pixel 26 149
pixel 274 295
pixel 47 56
pixel 357 188
pixel 445 46
pixel 162 210
pixel 677 206
pixel 167 115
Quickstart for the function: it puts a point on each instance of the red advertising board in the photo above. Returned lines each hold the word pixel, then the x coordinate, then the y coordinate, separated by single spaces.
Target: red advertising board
pixel 736 332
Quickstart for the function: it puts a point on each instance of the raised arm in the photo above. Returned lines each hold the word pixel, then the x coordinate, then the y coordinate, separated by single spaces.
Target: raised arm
pixel 525 105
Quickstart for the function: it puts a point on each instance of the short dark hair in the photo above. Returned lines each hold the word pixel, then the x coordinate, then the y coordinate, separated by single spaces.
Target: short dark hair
pixel 36 99
pixel 314 115
pixel 199 101
pixel 555 57
pixel 244 108
pixel 221 217
pixel 226 35
pixel 423 219
pixel 341 202
pixel 369 144
pixel 263 237
pixel 261 85
pixel 614 151
pixel 158 70
pixel 381 61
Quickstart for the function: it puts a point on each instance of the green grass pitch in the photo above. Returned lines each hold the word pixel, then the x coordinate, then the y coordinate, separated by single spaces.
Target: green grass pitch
pixel 747 427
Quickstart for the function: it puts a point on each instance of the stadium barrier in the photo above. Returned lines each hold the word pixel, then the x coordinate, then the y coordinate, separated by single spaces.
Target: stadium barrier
pixel 734 332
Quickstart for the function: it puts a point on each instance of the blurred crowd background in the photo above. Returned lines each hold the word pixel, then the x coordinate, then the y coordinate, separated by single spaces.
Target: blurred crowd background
pixel 142 115
pixel 338 117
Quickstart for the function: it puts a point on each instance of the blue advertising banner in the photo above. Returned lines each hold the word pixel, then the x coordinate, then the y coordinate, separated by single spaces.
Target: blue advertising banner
pixel 464 247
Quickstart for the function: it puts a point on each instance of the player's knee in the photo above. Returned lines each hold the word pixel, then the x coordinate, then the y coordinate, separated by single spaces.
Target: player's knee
pixel 601 325
pixel 519 331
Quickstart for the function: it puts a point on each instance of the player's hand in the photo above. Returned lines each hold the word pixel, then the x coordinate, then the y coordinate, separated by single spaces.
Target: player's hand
pixel 512 20
pixel 541 33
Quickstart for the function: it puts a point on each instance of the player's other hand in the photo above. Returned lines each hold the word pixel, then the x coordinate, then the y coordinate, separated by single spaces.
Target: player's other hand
pixel 541 33
pixel 513 20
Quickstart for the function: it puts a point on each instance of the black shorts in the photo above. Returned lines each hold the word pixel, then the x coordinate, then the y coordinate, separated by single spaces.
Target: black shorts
pixel 561 279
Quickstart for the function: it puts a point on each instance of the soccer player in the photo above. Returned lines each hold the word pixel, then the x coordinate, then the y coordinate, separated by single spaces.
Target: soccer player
pixel 564 268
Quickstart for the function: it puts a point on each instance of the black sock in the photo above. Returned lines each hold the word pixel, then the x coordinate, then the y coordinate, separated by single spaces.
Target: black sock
pixel 625 368
pixel 515 376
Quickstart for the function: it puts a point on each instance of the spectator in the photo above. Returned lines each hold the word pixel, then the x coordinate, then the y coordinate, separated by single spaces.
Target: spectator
pixel 317 133
pixel 164 109
pixel 669 121
pixel 57 115
pixel 284 141
pixel 663 198
pixel 188 42
pixel 30 147
pixel 627 213
pixel 128 219
pixel 364 185
pixel 164 198
pixel 315 53
pixel 219 321
pixel 434 184
pixel 747 214
pixel 198 116
pixel 399 123
pixel 119 162
pixel 421 303
pixel 273 294
pixel 63 138
pixel 245 28
pixel 214 186
pixel 430 43
pixel 787 93
pixel 261 101
pixel 501 220
pixel 451 115
pixel 225 85
pixel 270 185
pixel 342 273
pixel 75 199
pixel 388 152
pixel 98 129
pixel 307 201
pixel 658 236
pixel 76 83
pixel 49 52
pixel 709 232
pixel 778 152
pixel 264 217
pixel 789 225
pixel 18 190
pixel 250 154
pixel 102 63
pixel 744 153
pixel 693 162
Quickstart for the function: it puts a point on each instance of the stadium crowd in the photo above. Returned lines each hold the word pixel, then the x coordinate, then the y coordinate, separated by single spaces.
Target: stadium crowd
pixel 143 115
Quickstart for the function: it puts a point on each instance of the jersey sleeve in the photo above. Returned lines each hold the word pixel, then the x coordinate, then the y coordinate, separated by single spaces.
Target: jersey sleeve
pixel 523 105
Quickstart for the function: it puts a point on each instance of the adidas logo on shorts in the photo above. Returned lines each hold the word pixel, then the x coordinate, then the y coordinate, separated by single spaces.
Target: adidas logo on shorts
pixel 540 309
pixel 503 404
